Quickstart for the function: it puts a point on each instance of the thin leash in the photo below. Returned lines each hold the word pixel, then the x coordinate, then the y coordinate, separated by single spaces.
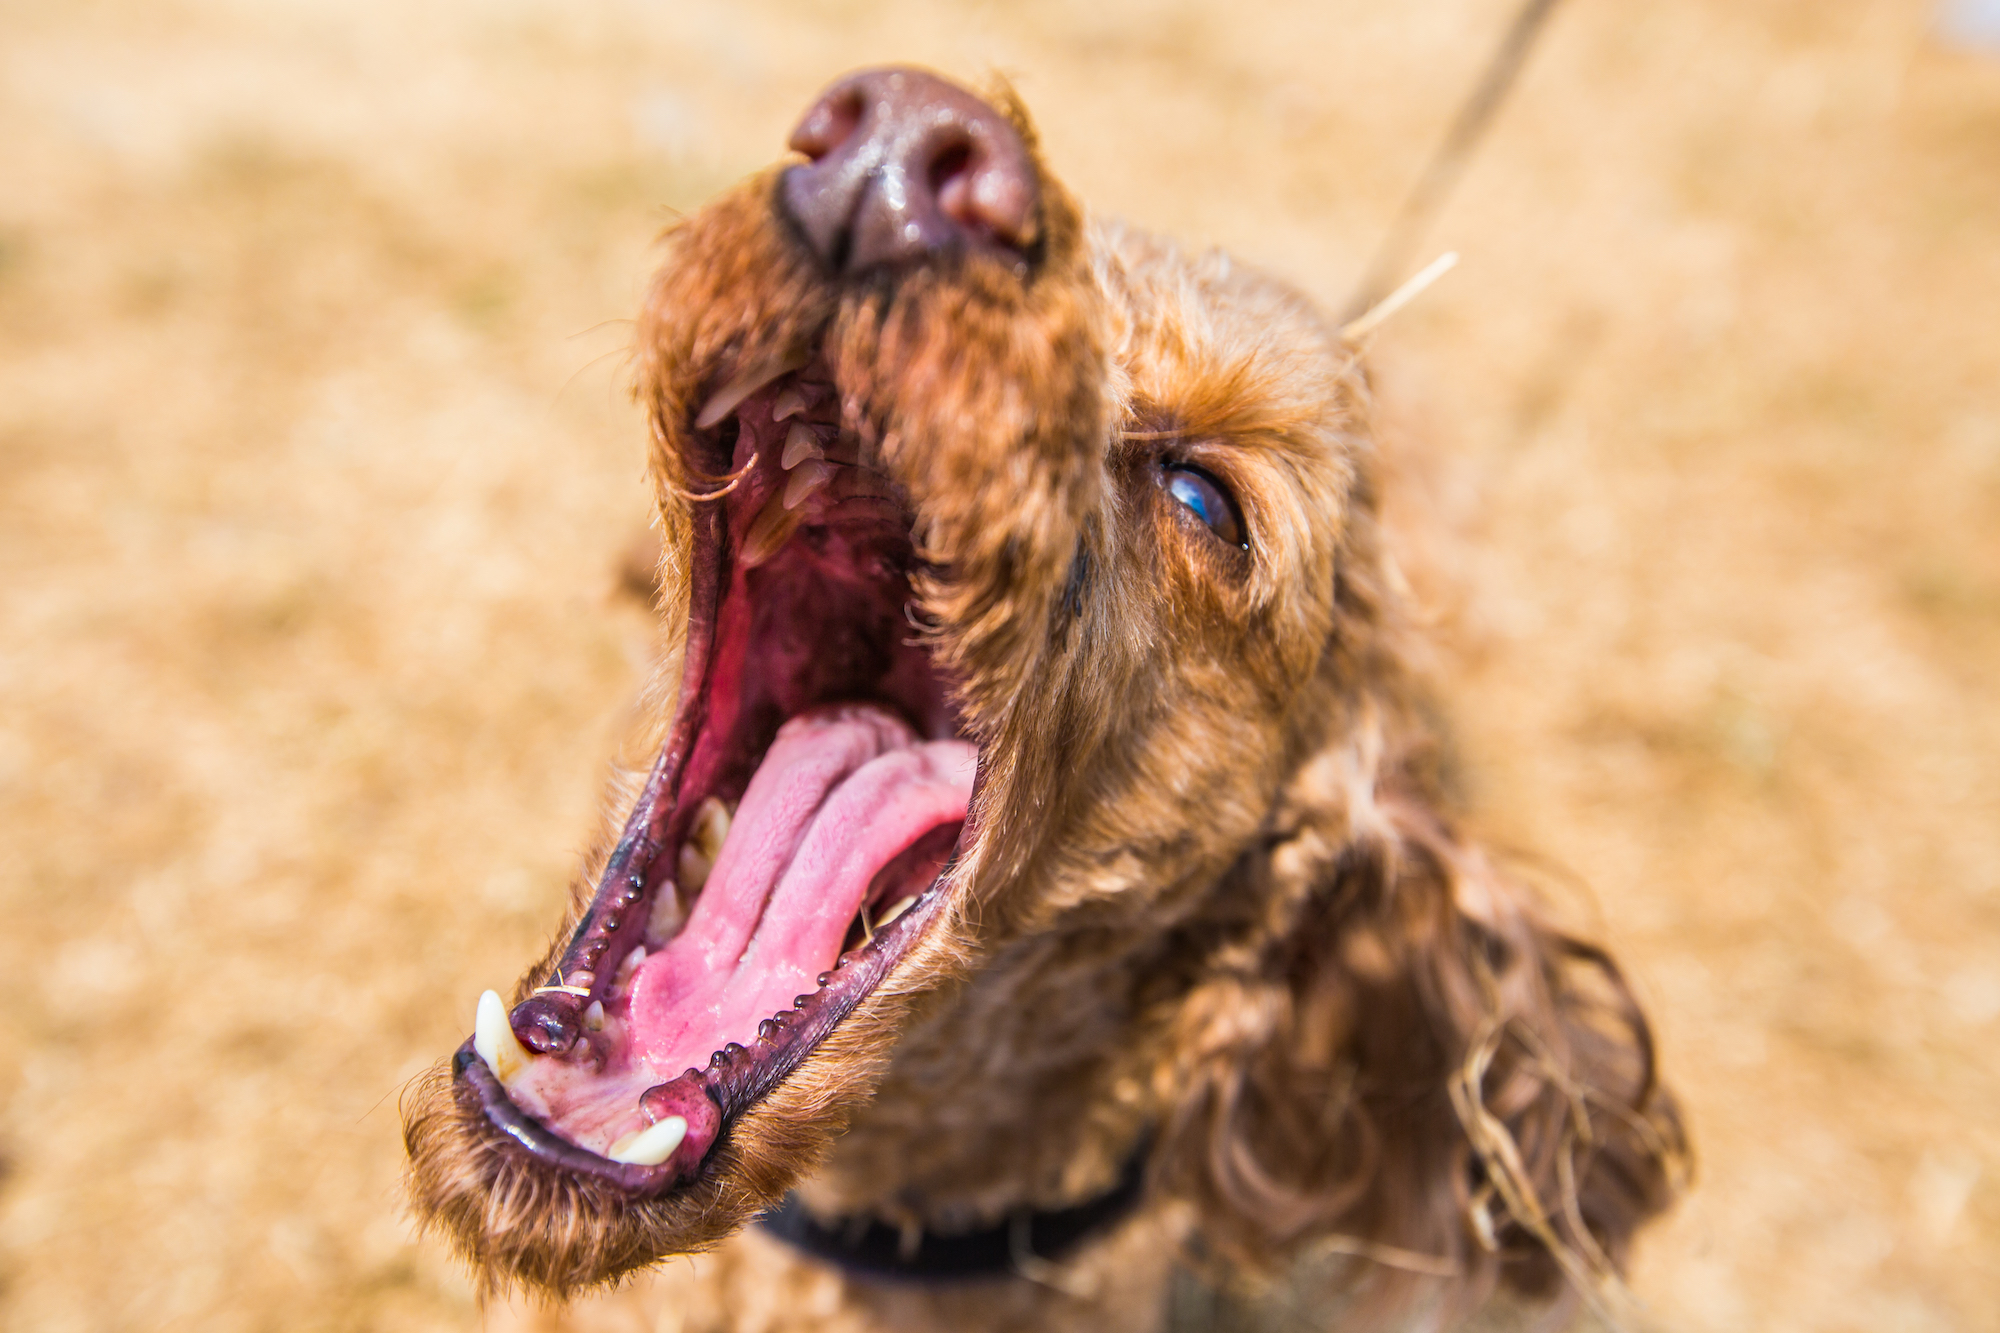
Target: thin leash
pixel 1448 163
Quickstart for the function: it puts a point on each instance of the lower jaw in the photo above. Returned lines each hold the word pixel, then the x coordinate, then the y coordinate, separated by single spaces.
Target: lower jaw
pixel 848 818
pixel 735 1079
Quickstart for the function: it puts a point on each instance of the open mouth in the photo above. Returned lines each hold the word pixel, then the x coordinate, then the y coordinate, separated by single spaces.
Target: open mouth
pixel 790 843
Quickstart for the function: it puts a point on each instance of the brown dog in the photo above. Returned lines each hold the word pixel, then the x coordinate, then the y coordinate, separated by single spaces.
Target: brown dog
pixel 1044 874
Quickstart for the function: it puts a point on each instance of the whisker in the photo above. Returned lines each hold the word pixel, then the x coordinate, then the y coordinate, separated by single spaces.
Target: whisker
pixel 734 479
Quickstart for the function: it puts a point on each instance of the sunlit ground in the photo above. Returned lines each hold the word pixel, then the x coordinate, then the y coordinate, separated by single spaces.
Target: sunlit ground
pixel 316 465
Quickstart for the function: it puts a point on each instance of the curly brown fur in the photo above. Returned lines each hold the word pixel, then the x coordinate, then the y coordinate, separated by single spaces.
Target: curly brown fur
pixel 1217 895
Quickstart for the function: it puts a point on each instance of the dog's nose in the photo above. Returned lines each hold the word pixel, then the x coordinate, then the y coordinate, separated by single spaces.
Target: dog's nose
pixel 905 165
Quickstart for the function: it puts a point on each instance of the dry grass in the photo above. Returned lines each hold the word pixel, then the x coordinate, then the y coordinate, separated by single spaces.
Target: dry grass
pixel 312 490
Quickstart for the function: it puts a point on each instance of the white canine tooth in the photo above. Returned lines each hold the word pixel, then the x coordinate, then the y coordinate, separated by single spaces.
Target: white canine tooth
pixel 807 478
pixel 901 906
pixel 731 395
pixel 801 442
pixel 790 403
pixel 652 1145
pixel 493 1037
pixel 628 966
pixel 593 1017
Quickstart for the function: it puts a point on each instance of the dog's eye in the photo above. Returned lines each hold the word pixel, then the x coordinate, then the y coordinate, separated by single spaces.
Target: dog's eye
pixel 1206 500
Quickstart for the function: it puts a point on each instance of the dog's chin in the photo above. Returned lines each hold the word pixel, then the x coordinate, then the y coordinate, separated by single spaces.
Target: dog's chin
pixel 673 1071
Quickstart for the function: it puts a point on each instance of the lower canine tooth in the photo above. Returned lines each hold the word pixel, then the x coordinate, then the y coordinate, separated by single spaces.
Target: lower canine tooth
pixel 901 906
pixel 773 528
pixel 651 1145
pixel 493 1037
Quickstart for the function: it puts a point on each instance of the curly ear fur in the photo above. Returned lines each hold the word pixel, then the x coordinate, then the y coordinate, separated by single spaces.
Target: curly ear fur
pixel 1404 1061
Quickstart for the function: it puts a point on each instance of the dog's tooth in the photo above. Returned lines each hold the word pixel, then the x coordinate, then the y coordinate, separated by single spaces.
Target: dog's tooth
pixel 665 917
pixel 694 868
pixel 706 834
pixel 806 479
pixel 731 395
pixel 901 906
pixel 593 1017
pixel 773 528
pixel 628 965
pixel 710 830
pixel 801 442
pixel 493 1037
pixel 790 403
pixel 652 1145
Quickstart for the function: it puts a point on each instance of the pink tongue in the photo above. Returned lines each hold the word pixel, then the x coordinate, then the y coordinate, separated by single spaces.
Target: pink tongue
pixel 841 792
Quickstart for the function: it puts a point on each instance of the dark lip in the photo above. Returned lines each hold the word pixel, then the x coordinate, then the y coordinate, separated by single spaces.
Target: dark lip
pixel 476 1083
pixel 737 1077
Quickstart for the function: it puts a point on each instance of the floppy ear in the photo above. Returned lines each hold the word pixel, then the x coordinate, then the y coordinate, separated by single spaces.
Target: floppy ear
pixel 1397 1057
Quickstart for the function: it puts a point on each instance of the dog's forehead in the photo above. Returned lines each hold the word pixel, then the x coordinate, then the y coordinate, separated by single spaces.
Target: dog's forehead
pixel 1217 348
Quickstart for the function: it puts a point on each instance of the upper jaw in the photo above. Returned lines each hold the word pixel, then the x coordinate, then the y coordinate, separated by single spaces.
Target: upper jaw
pixel 760 1116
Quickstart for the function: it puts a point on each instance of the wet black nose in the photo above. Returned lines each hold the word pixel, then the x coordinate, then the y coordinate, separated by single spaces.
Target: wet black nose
pixel 905 165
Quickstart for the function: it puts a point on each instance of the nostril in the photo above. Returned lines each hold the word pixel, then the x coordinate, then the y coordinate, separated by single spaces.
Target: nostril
pixel 950 181
pixel 828 125
pixel 949 166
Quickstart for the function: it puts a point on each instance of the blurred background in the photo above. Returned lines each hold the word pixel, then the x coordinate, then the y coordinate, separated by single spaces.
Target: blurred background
pixel 317 466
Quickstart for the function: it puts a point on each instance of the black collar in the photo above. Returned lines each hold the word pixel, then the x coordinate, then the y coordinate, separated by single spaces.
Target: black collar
pixel 1009 1248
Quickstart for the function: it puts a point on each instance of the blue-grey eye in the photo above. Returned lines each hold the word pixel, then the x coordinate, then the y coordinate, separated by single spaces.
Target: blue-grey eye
pixel 1206 500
